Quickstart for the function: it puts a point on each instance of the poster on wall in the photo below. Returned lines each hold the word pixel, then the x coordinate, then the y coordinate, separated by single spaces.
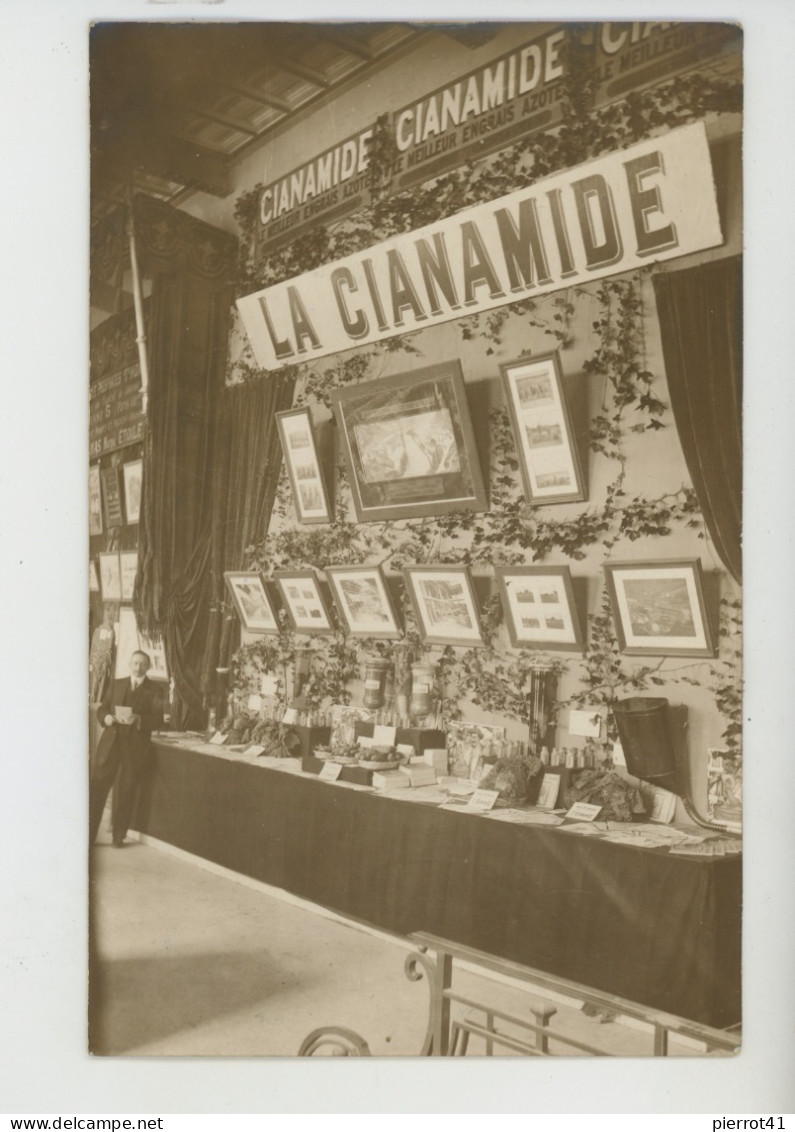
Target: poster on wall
pixel 548 458
pixel 155 650
pixel 129 568
pixel 303 466
pixel 111 493
pixel 133 476
pixel 110 575
pixel 444 603
pixel 659 608
pixel 126 640
pixel 539 607
pixel 94 501
pixel 252 601
pixel 409 445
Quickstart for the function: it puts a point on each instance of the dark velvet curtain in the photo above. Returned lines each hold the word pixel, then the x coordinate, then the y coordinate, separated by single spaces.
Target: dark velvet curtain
pixel 191 266
pixel 700 313
pixel 246 473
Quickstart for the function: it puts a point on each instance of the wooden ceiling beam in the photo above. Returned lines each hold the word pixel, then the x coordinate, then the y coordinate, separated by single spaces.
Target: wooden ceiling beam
pixel 301 72
pixel 225 120
pixel 348 44
pixel 262 96
pixel 168 156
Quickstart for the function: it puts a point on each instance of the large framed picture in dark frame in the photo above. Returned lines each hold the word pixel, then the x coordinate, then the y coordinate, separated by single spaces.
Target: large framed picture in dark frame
pixel 539 607
pixel 659 608
pixel 409 445
pixel 310 495
pixel 548 456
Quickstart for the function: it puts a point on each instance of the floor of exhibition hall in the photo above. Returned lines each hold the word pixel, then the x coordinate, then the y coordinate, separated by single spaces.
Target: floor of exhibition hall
pixel 193 960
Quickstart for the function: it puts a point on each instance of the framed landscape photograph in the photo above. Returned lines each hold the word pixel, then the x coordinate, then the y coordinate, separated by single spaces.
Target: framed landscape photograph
pixel 363 600
pixel 303 466
pixel 548 457
pixel 111 493
pixel 251 601
pixel 110 575
pixel 94 501
pixel 303 599
pixel 659 608
pixel 539 607
pixel 129 568
pixel 409 446
pixel 133 479
pixel 444 603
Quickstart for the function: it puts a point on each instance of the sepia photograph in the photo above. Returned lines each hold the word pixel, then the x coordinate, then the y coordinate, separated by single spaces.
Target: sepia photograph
pixel 455 304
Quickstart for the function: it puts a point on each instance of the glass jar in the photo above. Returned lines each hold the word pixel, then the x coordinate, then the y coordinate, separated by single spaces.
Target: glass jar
pixel 422 677
pixel 375 674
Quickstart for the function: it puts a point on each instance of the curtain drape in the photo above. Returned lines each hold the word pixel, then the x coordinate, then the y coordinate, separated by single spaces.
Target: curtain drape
pixel 246 473
pixel 700 312
pixel 191 266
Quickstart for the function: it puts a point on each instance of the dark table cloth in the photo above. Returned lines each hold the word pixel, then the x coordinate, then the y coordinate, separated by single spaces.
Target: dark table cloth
pixel 659 929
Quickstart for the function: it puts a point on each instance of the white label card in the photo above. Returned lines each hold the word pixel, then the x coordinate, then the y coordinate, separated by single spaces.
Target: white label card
pixel 290 715
pixel 331 771
pixel 383 735
pixel 583 811
pixel 406 749
pixel 548 794
pixel 483 800
pixel 218 739
pixel 269 686
pixel 255 703
pixel 587 722
pixel 254 749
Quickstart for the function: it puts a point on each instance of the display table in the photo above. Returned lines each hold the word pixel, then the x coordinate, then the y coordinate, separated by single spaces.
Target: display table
pixel 653 927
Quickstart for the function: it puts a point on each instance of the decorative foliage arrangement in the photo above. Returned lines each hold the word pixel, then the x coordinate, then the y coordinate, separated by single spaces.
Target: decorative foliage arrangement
pixel 495 678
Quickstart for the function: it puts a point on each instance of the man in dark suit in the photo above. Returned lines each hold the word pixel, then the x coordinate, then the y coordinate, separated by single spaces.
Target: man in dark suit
pixel 130 711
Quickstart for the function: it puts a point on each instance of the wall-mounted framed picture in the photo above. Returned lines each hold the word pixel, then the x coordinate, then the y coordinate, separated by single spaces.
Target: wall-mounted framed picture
pixel 93 577
pixel 303 599
pixel 111 494
pixel 133 481
pixel 539 607
pixel 363 600
pixel 128 560
pixel 94 501
pixel 659 608
pixel 155 650
pixel 409 446
pixel 110 575
pixel 252 601
pixel 548 457
pixel 301 459
pixel 444 602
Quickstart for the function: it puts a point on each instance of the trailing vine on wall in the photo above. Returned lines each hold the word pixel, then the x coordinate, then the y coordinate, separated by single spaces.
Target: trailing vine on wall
pixel 512 531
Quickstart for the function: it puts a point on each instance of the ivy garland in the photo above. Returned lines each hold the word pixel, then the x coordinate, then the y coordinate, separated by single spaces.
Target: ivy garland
pixel 493 677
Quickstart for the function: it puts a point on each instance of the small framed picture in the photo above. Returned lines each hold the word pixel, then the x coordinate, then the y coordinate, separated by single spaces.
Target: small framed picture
pixel 133 479
pixel 444 603
pixel 548 456
pixel 659 608
pixel 252 601
pixel 110 575
pixel 94 501
pixel 303 466
pixel 303 599
pixel 129 568
pixel 409 445
pixel 126 640
pixel 363 600
pixel 111 493
pixel 93 577
pixel 539 607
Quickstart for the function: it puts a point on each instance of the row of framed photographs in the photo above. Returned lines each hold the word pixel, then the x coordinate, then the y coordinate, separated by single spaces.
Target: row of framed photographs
pixel 116 577
pixel 105 496
pixel 659 607
pixel 410 450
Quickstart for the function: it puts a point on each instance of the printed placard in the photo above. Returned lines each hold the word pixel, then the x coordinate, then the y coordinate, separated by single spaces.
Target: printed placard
pixel 254 749
pixel 218 739
pixel 384 736
pixel 290 715
pixel 583 811
pixel 548 794
pixel 330 772
pixel 483 800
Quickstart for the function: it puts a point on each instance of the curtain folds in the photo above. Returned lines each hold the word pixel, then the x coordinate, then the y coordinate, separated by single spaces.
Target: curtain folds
pixel 246 473
pixel 700 312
